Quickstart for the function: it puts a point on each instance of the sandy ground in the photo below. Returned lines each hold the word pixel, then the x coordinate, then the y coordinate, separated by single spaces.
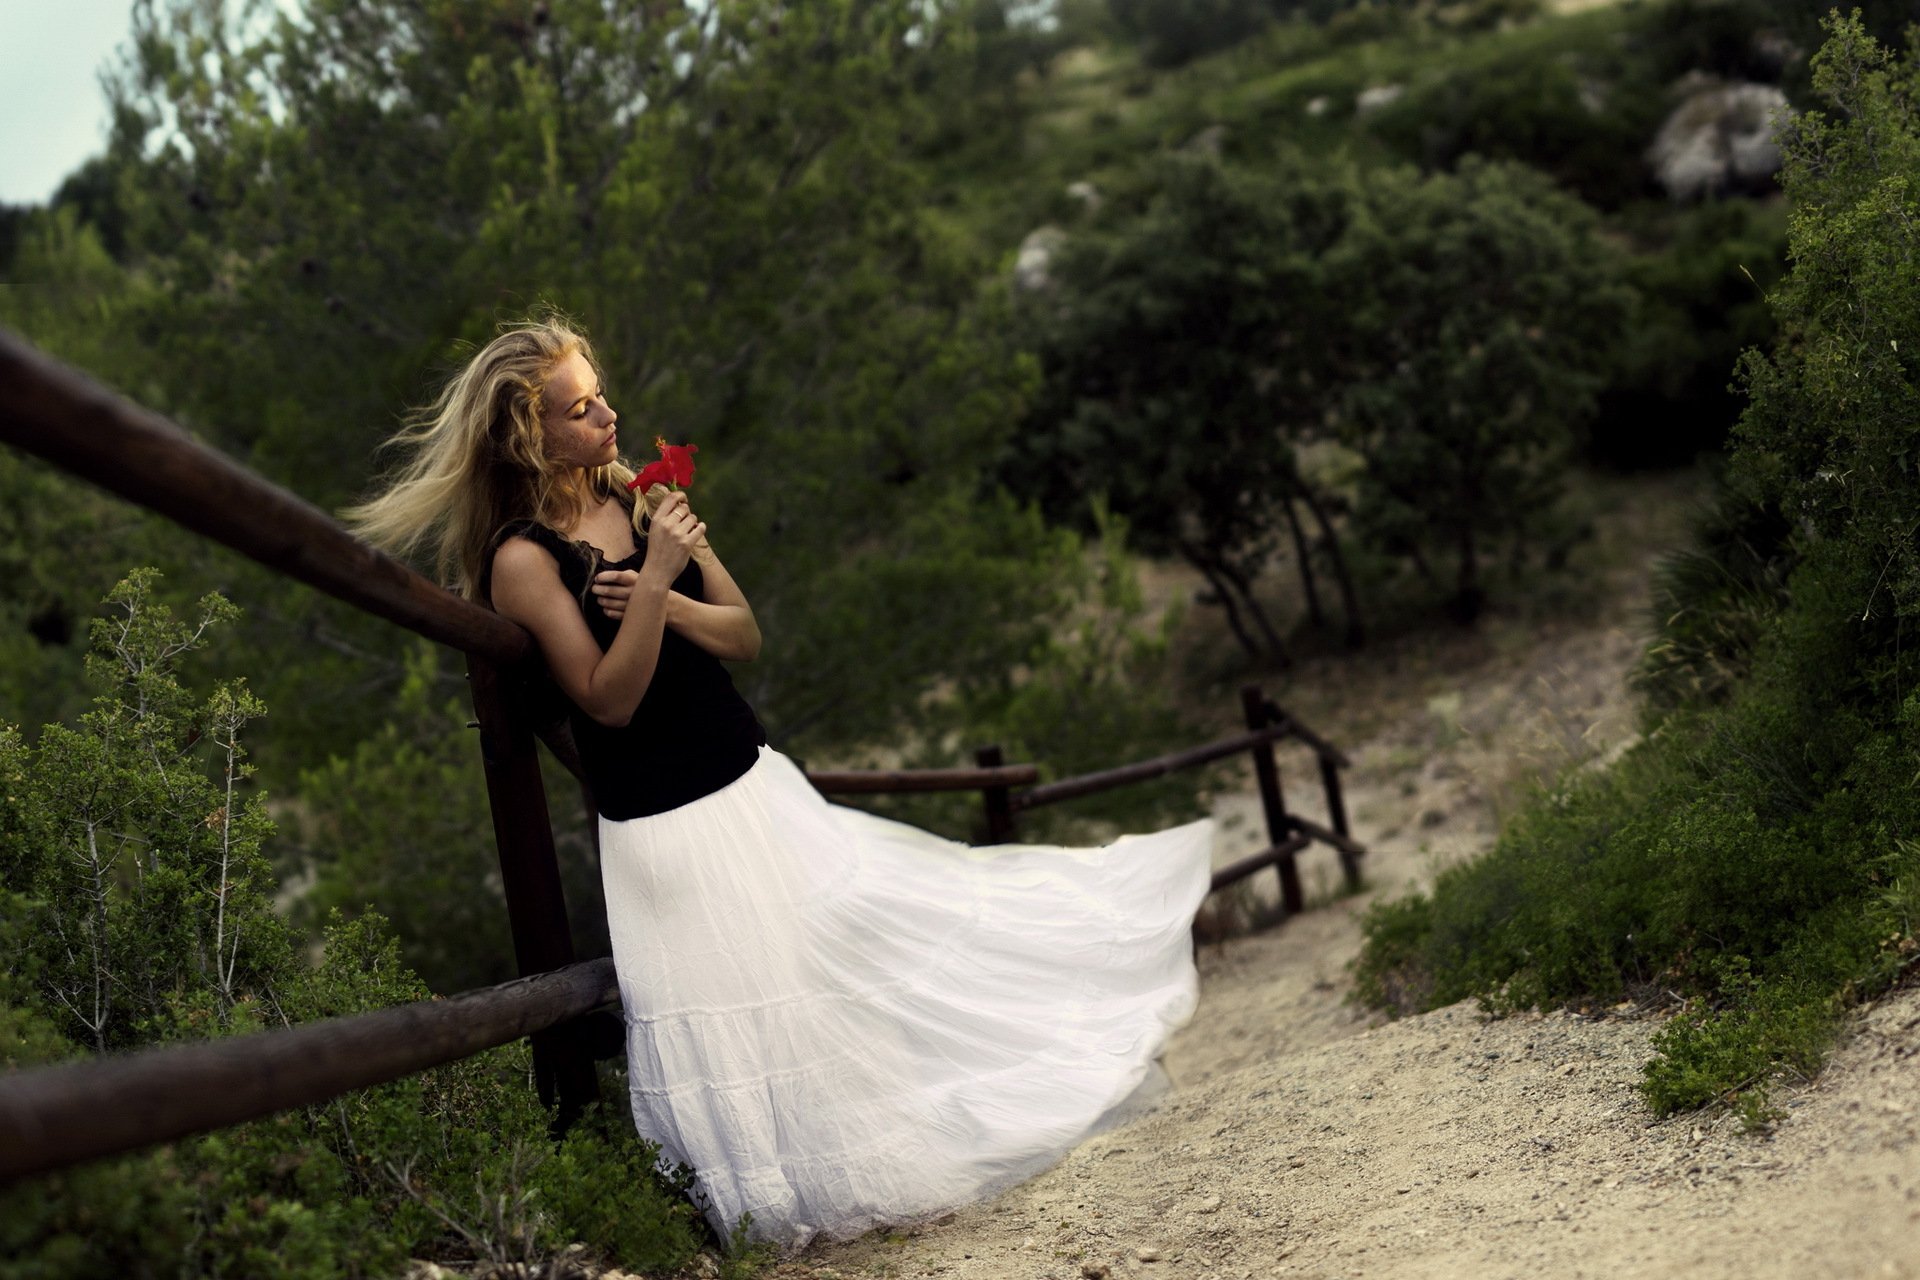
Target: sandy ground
pixel 1305 1137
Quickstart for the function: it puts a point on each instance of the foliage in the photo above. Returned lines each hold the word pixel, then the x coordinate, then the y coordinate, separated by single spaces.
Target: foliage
pixel 402 826
pixel 1173 32
pixel 60 539
pixel 1179 373
pixel 1712 601
pixel 1832 426
pixel 1478 312
pixel 147 859
pixel 1088 693
pixel 1701 274
pixel 1584 131
pixel 748 172
pixel 1756 852
pixel 135 908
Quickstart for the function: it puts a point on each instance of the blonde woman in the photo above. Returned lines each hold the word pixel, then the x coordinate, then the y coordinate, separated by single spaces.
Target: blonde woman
pixel 837 1021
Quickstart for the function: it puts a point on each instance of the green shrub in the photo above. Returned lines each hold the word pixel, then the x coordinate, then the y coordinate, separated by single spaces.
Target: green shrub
pixel 135 907
pixel 1588 134
pixel 1711 601
pixel 1702 274
pixel 1755 852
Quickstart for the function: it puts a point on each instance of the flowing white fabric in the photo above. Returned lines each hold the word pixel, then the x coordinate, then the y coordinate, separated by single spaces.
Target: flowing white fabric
pixel 840 1021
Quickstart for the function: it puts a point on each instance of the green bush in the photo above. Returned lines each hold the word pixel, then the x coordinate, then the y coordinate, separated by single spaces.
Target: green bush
pixel 1702 274
pixel 1755 852
pixel 1749 855
pixel 1585 132
pixel 135 907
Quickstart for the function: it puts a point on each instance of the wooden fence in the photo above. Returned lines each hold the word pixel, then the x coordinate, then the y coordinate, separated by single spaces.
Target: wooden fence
pixel 56 1116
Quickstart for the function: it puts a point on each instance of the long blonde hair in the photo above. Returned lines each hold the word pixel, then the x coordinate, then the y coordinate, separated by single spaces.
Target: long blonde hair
pixel 477 459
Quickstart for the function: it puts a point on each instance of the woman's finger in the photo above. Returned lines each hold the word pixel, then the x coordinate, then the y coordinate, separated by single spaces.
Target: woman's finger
pixel 620 580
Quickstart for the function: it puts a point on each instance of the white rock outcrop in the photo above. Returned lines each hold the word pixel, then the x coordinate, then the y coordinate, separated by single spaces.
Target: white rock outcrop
pixel 1381 95
pixel 1719 140
pixel 1037 251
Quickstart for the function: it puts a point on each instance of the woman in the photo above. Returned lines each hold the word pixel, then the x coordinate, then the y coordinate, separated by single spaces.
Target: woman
pixel 836 1020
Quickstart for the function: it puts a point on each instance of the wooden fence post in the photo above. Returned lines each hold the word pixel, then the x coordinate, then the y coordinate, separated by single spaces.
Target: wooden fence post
pixel 998 800
pixel 1337 818
pixel 1272 800
pixel 530 876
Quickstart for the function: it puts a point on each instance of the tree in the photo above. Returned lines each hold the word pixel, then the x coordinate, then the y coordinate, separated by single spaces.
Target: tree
pixel 726 194
pixel 1831 432
pixel 1173 32
pixel 1478 312
pixel 1181 374
pixel 152 864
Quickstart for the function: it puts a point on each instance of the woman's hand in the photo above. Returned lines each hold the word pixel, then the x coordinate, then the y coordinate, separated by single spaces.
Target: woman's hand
pixel 613 588
pixel 675 534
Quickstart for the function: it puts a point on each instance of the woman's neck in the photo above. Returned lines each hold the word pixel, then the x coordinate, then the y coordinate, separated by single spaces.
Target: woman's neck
pixel 578 490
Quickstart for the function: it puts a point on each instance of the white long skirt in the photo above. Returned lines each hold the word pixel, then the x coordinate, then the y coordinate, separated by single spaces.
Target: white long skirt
pixel 841 1021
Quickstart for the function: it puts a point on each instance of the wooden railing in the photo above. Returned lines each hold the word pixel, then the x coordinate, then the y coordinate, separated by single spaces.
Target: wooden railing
pixel 55 1116
pixel 1287 833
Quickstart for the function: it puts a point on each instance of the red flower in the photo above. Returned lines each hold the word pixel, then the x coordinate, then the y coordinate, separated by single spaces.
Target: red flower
pixel 675 468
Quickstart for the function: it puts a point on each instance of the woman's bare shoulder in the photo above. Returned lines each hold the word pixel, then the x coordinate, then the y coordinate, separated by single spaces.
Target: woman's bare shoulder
pixel 521 566
pixel 522 552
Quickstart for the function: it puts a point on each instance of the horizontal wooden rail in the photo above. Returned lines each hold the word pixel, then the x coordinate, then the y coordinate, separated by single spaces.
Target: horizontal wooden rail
pixel 849 782
pixel 55 1116
pixel 1091 783
pixel 1240 870
pixel 1294 729
pixel 1314 831
pixel 61 415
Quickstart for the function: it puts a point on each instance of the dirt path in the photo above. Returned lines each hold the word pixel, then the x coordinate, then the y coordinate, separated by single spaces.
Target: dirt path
pixel 1305 1138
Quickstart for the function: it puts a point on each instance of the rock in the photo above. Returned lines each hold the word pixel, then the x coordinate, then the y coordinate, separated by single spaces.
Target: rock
pixel 1147 1253
pixel 1318 104
pixel 1210 1205
pixel 1719 140
pixel 1210 141
pixel 1087 194
pixel 1094 1271
pixel 1037 252
pixel 1382 95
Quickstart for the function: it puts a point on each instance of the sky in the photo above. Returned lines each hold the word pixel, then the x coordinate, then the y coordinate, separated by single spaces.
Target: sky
pixel 53 114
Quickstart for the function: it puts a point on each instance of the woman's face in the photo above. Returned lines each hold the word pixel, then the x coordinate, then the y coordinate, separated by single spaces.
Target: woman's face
pixel 578 420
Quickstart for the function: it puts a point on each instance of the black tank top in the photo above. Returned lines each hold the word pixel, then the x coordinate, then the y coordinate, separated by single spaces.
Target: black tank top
pixel 691 735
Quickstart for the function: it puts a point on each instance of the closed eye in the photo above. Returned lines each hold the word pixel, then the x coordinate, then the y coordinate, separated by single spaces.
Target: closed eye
pixel 600 394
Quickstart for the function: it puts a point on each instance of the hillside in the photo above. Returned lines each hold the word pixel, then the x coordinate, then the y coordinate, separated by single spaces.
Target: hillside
pixel 1306 1137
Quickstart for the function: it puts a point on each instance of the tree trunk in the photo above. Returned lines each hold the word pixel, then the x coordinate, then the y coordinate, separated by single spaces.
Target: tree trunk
pixel 1422 565
pixel 1342 577
pixel 1276 648
pixel 1468 598
pixel 1225 599
pixel 1303 557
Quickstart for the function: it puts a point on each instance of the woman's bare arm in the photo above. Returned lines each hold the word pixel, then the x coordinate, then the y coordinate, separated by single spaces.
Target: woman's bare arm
pixel 608 685
pixel 723 625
